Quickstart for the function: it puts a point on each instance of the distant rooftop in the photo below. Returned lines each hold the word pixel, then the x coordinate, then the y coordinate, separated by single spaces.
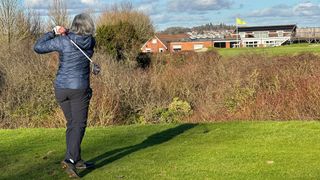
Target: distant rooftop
pixel 165 38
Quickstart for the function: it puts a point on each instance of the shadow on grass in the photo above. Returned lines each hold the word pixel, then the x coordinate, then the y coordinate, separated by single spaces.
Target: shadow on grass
pixel 153 140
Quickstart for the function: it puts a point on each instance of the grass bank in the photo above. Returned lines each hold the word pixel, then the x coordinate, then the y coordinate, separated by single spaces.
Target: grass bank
pixel 233 150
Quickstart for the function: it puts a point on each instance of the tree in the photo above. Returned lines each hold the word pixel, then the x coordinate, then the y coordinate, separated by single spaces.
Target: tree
pixel 16 23
pixel 29 25
pixel 58 13
pixel 119 40
pixel 8 17
pixel 137 29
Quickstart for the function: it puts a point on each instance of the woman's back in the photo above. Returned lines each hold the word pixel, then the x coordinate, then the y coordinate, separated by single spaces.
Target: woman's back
pixel 74 67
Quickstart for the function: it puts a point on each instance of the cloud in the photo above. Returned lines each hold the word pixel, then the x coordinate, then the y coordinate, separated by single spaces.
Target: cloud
pixel 275 11
pixel 198 5
pixel 89 1
pixel 307 9
pixel 282 10
pixel 71 4
pixel 162 21
pixel 38 4
pixel 150 7
pixel 303 14
pixel 149 1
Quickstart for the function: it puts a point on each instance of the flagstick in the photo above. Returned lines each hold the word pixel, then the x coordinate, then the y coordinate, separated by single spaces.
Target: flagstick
pixel 238 44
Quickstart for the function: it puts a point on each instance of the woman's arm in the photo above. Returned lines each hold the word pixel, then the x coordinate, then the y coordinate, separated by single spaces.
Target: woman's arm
pixel 48 43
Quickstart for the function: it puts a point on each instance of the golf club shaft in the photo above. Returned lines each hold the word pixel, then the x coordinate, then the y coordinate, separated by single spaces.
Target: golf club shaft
pixel 81 51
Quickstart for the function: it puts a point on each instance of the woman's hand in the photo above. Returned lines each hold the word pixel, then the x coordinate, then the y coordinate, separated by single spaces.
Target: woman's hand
pixel 60 30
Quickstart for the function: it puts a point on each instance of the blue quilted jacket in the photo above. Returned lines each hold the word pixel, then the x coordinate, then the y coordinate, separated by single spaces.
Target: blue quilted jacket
pixel 74 68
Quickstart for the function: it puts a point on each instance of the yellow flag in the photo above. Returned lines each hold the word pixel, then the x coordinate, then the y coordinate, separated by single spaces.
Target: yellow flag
pixel 240 21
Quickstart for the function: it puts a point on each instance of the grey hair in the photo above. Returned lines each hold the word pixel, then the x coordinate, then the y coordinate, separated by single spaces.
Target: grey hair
pixel 82 24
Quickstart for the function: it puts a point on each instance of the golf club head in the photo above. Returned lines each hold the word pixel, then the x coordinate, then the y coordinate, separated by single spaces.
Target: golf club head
pixel 95 69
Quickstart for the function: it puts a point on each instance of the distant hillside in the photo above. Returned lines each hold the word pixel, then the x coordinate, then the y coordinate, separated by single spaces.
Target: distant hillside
pixel 198 29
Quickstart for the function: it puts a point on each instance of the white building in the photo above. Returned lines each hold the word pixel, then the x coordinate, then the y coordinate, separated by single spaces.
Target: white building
pixel 265 36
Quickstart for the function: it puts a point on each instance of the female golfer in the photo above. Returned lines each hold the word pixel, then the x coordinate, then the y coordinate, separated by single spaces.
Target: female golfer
pixel 72 85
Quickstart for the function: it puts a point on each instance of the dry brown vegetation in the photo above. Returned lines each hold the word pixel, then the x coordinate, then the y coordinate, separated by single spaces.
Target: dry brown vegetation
pixel 247 87
pixel 179 87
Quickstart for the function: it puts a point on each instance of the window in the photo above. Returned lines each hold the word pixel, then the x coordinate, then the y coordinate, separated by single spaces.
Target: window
pixel 177 48
pixel 270 43
pixel 250 36
pixel 197 46
pixel 154 41
pixel 261 34
pixel 242 34
pixel 251 44
pixel 280 33
pixel 148 49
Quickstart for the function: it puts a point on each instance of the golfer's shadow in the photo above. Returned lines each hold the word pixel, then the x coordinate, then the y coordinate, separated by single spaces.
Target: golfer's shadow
pixel 155 139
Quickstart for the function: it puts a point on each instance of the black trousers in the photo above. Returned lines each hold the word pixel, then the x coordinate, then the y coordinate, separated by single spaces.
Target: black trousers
pixel 75 105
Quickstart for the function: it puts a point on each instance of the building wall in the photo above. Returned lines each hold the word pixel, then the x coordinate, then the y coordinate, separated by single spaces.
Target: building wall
pixel 189 46
pixel 153 46
pixel 227 44
pixel 263 42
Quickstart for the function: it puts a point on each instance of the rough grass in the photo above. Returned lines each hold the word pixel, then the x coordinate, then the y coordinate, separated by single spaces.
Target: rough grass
pixel 233 150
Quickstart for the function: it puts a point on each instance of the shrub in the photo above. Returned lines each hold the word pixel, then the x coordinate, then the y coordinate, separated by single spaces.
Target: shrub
pixel 175 112
pixel 122 30
pixel 27 93
pixel 117 40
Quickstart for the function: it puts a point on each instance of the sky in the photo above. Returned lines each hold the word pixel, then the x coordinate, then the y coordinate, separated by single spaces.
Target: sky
pixel 189 13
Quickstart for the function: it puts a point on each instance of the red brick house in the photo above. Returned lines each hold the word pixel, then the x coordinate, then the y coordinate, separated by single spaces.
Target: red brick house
pixel 174 43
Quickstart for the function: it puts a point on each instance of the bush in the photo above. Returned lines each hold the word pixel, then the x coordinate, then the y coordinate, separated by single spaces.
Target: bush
pixel 27 93
pixel 122 30
pixel 118 40
pixel 175 112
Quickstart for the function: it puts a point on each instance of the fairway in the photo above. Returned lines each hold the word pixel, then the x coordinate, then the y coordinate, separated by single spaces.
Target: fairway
pixel 236 150
pixel 282 50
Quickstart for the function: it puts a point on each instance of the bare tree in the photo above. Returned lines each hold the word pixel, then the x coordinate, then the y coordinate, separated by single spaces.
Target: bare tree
pixel 8 16
pixel 29 25
pixel 58 13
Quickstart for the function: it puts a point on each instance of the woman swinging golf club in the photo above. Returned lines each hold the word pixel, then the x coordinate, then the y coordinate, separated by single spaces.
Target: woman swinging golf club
pixel 72 85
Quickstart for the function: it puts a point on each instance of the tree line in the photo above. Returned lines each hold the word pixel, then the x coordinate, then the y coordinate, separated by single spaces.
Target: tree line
pixel 120 29
pixel 199 29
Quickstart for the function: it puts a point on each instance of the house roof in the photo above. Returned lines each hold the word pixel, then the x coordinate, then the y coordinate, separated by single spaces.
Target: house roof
pixel 290 27
pixel 166 38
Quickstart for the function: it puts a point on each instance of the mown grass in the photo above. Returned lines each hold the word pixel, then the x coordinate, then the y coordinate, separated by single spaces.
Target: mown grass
pixel 233 150
pixel 282 50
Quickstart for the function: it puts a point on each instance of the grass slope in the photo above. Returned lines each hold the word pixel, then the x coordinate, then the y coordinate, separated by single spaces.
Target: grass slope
pixel 236 150
pixel 282 50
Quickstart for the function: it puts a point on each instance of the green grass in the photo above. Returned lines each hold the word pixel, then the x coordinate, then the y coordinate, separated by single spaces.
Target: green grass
pixel 234 150
pixel 282 50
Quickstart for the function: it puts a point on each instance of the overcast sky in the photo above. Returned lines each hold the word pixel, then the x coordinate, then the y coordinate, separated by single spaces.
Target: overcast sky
pixel 188 13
